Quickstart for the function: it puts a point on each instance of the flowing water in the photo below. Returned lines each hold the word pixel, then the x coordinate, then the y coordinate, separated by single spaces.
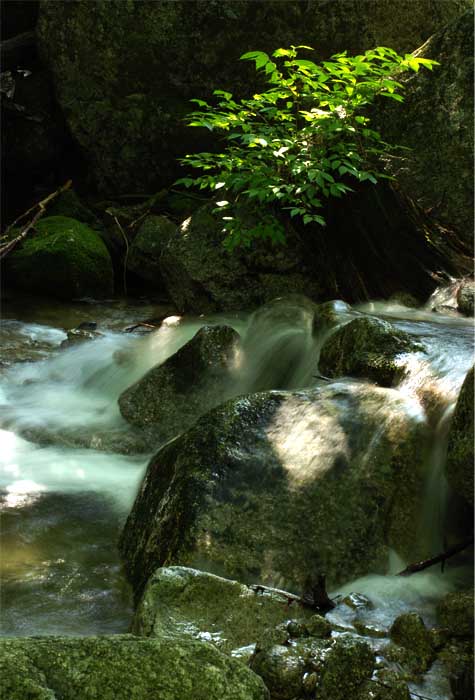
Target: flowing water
pixel 66 490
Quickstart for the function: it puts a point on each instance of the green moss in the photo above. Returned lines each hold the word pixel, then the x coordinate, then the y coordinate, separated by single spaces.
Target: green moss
pixel 410 633
pixel 348 664
pixel 63 258
pixel 455 613
pixel 460 451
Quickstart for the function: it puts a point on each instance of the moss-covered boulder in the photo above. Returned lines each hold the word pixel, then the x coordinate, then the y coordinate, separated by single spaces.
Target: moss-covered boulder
pixel 466 297
pixel 409 632
pixel 124 72
pixel 436 123
pixel 62 258
pixel 202 276
pixel 347 665
pixel 278 486
pixel 369 348
pixel 146 249
pixel 458 660
pixel 121 667
pixel 172 396
pixel 455 613
pixel 186 603
pixel 460 451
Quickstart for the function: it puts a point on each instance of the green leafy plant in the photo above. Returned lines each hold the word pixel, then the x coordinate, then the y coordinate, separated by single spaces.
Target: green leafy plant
pixel 300 141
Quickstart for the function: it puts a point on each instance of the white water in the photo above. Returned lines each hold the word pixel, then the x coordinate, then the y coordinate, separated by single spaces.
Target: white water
pixel 64 506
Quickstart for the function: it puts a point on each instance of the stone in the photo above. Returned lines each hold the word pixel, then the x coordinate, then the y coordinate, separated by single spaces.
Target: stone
pixel 64 259
pixel 282 669
pixel 367 348
pixel 172 396
pixel 409 631
pixel 184 603
pixel 455 613
pixel 460 450
pixel 458 660
pixel 122 667
pixel 347 665
pixel 278 486
pixel 385 685
pixel 146 60
pixel 466 297
pixel 202 276
pixel 318 626
pixel 146 250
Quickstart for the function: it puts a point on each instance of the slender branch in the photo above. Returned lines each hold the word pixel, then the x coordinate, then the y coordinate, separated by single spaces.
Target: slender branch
pixel 126 253
pixel 443 556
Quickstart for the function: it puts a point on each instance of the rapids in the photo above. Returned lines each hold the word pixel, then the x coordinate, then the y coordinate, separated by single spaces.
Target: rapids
pixel 64 501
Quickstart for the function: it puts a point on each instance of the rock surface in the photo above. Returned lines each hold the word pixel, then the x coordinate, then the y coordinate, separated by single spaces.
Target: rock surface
pixel 65 259
pixel 367 348
pixel 122 667
pixel 124 74
pixel 466 297
pixel 172 396
pixel 146 249
pixel 460 451
pixel 279 486
pixel 455 613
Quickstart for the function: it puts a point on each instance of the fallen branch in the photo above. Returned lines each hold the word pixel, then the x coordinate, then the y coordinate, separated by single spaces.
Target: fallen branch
pixel 443 556
pixel 7 247
pixel 316 599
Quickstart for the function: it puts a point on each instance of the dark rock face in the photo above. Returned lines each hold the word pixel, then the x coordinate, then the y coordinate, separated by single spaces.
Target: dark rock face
pixel 146 250
pixel 122 667
pixel 172 396
pixel 460 451
pixel 466 297
pixel 279 486
pixel 437 124
pixel 366 347
pixel 455 613
pixel 65 259
pixel 125 71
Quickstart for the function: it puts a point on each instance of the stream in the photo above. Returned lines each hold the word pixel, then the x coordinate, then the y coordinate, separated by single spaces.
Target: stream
pixel 70 465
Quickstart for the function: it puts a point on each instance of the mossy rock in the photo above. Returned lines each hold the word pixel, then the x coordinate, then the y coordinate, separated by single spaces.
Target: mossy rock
pixel 367 348
pixel 146 250
pixel 63 258
pixel 277 486
pixel 122 667
pixel 466 297
pixel 455 613
pixel 460 451
pixel 458 660
pixel 409 632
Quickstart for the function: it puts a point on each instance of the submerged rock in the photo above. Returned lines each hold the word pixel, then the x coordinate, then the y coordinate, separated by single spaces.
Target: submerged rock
pixel 122 667
pixel 63 259
pixel 279 486
pixel 460 451
pixel 172 396
pixel 185 603
pixel 366 347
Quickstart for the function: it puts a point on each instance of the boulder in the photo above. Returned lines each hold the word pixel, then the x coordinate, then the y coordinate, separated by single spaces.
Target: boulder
pixel 122 667
pixel 466 297
pixel 455 613
pixel 409 632
pixel 279 486
pixel 369 348
pixel 202 276
pixel 436 124
pixel 172 396
pixel 124 73
pixel 146 249
pixel 185 603
pixel 460 451
pixel 64 259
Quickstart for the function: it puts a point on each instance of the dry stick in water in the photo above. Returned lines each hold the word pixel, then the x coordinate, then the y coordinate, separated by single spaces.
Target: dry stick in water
pixel 443 556
pixel 7 247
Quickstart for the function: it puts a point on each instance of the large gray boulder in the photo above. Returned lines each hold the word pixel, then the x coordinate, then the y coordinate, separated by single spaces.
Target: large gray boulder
pixel 278 487
pixel 460 451
pixel 367 348
pixel 172 396
pixel 124 72
pixel 122 667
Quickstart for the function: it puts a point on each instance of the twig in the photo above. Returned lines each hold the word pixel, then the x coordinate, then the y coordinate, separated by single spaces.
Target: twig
pixel 126 253
pixel 443 556
pixel 7 247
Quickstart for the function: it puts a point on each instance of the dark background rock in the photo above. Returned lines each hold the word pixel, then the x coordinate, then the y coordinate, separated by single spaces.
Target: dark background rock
pixel 460 451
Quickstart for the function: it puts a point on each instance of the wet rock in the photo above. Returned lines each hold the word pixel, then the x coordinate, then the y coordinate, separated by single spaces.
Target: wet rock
pixel 346 666
pixel 318 626
pixel 357 601
pixel 64 259
pixel 385 685
pixel 122 667
pixel 455 613
pixel 329 314
pixel 202 276
pixel 366 347
pixel 458 660
pixel 78 335
pixel 124 91
pixel 278 486
pixel 185 603
pixel 146 250
pixel 409 631
pixel 466 297
pixel 369 630
pixel 282 669
pixel 460 451
pixel 172 396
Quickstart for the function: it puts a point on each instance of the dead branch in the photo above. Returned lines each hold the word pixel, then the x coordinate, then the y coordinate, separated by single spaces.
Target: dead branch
pixel 443 556
pixel 41 206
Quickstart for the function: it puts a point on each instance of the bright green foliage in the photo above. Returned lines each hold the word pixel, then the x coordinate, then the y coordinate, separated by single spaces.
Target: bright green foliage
pixel 301 140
